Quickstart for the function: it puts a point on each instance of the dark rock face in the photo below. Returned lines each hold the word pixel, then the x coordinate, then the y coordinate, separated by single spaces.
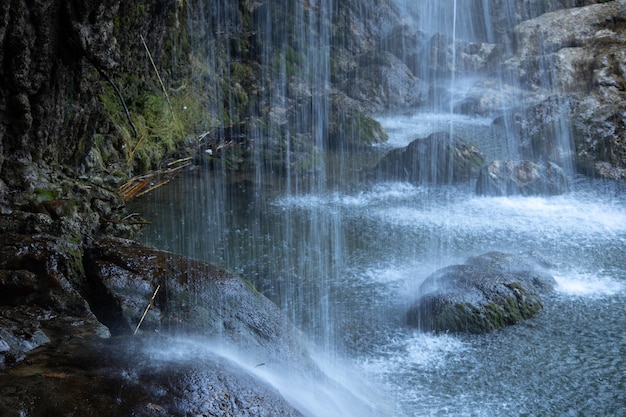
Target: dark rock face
pixel 437 159
pixel 506 178
pixel 135 376
pixel 56 298
pixel 487 292
pixel 39 300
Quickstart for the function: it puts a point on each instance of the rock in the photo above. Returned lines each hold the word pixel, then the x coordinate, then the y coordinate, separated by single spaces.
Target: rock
pixel 437 159
pixel 350 127
pixel 195 298
pixel 136 376
pixel 577 55
pixel 541 131
pixel 489 291
pixel 445 56
pixel 506 178
pixel 39 300
pixel 382 81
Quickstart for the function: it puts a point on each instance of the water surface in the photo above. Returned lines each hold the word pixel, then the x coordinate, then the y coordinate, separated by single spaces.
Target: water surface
pixel 344 262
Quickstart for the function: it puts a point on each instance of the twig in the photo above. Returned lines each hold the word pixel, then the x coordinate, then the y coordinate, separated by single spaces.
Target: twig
pixel 132 192
pixel 189 158
pixel 154 187
pixel 167 97
pixel 147 308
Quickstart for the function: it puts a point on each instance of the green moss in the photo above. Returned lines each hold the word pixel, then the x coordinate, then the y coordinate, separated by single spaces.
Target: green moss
pixel 40 195
pixel 251 286
pixel 161 125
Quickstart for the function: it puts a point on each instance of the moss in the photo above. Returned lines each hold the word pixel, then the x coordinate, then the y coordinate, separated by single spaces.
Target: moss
pixel 161 125
pixel 251 286
pixel 496 315
pixel 40 195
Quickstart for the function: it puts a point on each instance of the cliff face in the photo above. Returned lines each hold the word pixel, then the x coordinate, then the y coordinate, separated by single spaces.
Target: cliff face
pixel 55 57
pixel 48 87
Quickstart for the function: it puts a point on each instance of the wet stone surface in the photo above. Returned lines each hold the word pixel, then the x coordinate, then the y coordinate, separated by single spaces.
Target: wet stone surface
pixel 487 292
pixel 140 376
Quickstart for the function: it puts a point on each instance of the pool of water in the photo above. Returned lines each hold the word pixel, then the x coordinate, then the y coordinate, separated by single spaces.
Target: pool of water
pixel 344 263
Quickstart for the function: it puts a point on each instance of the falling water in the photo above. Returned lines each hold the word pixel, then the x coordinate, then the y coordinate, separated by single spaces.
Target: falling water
pixel 343 257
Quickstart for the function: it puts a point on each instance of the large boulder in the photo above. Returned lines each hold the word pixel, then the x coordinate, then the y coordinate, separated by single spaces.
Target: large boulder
pixel 61 302
pixel 506 178
pixel 441 158
pixel 489 291
pixel 193 298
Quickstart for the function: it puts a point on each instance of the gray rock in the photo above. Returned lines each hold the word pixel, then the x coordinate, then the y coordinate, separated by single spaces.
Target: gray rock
pixel 489 291
pixel 506 178
pixel 195 298
pixel 438 159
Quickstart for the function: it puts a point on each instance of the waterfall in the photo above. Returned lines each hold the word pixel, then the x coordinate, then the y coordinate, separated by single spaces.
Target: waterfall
pixel 343 254
pixel 282 48
pixel 266 71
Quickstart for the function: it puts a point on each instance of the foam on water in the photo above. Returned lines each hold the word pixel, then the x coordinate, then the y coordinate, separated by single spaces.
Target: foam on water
pixel 415 351
pixel 543 216
pixel 588 285
pixel 404 129
pixel 383 192
pixel 408 206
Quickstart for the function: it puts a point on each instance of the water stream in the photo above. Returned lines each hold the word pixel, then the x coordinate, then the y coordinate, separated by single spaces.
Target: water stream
pixel 343 257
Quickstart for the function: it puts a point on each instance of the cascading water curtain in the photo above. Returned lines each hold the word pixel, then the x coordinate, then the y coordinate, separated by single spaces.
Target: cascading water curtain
pixel 284 47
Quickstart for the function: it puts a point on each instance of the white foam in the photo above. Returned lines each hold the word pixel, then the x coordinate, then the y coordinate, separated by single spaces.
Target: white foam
pixel 588 285
pixel 422 350
pixel 403 129
pixel 543 216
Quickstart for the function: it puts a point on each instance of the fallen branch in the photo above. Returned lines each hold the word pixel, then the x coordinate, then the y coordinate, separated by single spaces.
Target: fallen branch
pixel 154 187
pixel 150 304
pixel 142 184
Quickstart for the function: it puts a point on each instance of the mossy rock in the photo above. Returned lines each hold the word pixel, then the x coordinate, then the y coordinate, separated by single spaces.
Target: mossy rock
pixel 488 292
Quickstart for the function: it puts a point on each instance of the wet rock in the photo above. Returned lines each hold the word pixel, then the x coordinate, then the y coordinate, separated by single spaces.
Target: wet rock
pixel 438 159
pixel 382 82
pixel 39 300
pixel 445 55
pixel 489 291
pixel 506 178
pixel 350 127
pixel 195 298
pixel 138 377
pixel 575 54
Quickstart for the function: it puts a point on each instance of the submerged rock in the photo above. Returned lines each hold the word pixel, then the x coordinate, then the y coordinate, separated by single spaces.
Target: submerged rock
pixel 440 158
pixel 506 178
pixel 489 291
